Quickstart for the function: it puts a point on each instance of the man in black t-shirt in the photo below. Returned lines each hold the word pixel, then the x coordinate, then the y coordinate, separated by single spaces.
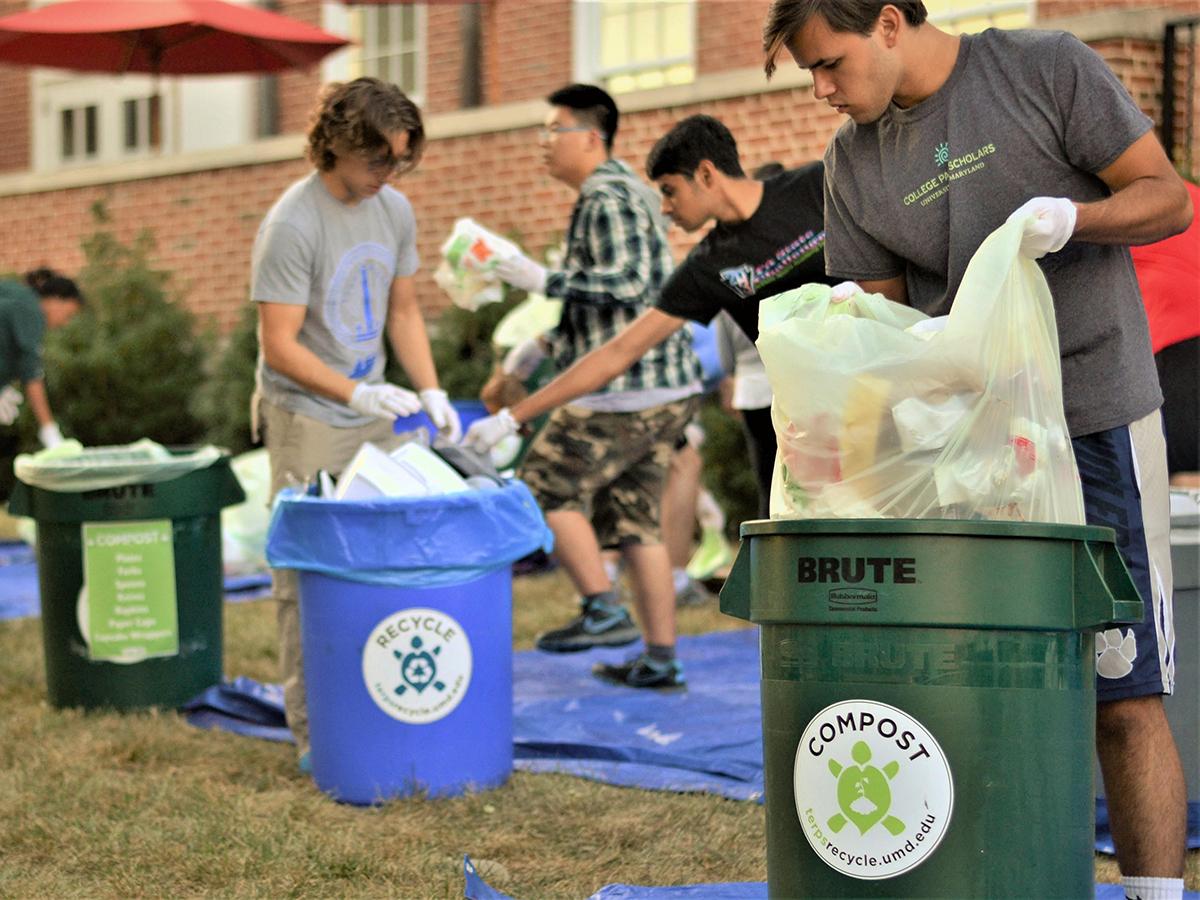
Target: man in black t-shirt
pixel 769 238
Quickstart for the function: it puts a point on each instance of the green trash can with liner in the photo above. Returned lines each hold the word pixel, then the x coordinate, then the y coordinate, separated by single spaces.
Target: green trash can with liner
pixel 129 570
pixel 928 702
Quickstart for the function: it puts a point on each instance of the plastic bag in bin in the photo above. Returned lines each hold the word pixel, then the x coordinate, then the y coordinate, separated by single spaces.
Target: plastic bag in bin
pixel 880 411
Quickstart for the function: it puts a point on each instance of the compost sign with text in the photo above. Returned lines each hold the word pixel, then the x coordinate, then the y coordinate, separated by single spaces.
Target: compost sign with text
pixel 874 791
pixel 129 577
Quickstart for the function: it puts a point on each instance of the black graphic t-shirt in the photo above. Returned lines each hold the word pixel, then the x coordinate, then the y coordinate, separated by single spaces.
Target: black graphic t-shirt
pixel 778 248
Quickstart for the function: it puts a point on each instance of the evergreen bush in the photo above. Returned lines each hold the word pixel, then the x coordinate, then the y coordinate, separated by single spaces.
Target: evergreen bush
pixel 728 473
pixel 128 365
pixel 223 401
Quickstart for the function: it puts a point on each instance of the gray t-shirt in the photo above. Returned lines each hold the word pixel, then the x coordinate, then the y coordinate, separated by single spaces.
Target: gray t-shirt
pixel 1024 114
pixel 340 262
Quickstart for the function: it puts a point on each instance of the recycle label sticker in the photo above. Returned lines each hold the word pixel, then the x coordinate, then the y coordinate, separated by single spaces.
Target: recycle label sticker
pixel 417 665
pixel 873 789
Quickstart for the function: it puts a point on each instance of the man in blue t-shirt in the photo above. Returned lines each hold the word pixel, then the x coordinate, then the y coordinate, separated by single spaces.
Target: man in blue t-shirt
pixel 950 136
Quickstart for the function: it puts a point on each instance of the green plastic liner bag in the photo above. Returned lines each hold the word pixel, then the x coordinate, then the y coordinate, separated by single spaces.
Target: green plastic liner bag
pixel 881 411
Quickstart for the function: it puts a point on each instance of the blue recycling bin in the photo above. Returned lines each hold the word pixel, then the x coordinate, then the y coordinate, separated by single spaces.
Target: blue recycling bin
pixel 406 626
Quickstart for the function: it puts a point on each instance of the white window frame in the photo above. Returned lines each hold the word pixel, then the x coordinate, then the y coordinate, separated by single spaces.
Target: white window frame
pixel 55 90
pixel 586 49
pixel 344 64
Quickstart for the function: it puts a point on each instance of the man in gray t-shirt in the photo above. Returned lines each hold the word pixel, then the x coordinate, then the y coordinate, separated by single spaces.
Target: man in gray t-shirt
pixel 948 137
pixel 332 274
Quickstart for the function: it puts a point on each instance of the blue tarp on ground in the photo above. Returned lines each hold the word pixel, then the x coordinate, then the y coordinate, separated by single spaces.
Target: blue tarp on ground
pixel 708 738
pixel 19 583
pixel 475 888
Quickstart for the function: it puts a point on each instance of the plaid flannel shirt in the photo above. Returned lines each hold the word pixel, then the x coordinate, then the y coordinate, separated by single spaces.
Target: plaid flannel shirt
pixel 617 260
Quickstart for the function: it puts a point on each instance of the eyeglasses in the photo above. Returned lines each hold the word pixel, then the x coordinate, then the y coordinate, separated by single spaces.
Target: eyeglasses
pixel 385 165
pixel 545 134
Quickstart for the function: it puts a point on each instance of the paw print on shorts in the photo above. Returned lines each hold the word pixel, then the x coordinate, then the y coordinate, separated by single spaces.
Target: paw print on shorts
pixel 1115 654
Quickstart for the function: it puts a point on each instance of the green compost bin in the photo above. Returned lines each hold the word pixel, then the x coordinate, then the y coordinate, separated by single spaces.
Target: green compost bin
pixel 150 557
pixel 928 702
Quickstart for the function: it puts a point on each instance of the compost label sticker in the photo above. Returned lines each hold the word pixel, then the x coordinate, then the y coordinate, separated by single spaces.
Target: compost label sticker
pixel 417 665
pixel 874 791
pixel 129 584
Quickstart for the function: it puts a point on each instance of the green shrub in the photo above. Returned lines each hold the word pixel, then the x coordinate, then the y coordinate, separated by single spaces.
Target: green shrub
pixel 728 474
pixel 223 401
pixel 127 366
pixel 461 343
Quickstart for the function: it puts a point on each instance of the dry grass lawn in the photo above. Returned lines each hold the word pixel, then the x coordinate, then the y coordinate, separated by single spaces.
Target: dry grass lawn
pixel 142 805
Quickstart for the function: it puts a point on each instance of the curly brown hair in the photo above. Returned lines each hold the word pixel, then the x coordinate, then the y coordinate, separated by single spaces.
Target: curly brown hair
pixel 360 116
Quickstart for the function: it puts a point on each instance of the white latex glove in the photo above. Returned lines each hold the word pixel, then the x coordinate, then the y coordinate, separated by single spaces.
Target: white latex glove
pixel 844 291
pixel 486 433
pixel 522 272
pixel 49 435
pixel 442 413
pixel 522 359
pixel 386 401
pixel 10 405
pixel 1049 224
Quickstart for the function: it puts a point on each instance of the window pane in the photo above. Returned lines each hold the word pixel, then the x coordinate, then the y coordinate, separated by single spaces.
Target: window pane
pixel 614 49
pixel 130 116
pixel 643 44
pixel 683 74
pixel 622 84
pixel 676 31
pixel 382 32
pixel 645 34
pixel 67 125
pixel 408 25
pixel 408 72
pixel 91 129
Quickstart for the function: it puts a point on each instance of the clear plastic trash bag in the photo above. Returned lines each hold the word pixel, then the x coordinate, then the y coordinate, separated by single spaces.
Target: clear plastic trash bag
pixel 880 411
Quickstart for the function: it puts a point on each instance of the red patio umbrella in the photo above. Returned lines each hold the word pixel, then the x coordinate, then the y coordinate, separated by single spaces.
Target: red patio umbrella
pixel 168 37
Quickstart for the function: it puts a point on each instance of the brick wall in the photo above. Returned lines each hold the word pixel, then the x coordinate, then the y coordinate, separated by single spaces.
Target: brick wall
pixel 1053 9
pixel 14 107
pixel 729 35
pixel 443 64
pixel 527 48
pixel 205 222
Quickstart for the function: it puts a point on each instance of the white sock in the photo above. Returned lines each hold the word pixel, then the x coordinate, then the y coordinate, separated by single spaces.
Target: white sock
pixel 708 513
pixel 612 568
pixel 680 579
pixel 1137 888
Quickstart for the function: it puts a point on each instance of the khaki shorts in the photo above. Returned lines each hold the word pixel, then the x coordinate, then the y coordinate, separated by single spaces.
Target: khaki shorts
pixel 298 447
pixel 609 466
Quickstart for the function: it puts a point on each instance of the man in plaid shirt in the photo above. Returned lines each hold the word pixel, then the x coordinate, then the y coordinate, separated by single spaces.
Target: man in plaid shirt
pixel 599 466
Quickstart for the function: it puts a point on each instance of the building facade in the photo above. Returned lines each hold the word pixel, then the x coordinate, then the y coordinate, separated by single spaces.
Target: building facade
pixel 229 146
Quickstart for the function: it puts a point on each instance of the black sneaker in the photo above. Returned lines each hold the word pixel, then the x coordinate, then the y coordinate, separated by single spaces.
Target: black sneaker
pixel 643 672
pixel 599 625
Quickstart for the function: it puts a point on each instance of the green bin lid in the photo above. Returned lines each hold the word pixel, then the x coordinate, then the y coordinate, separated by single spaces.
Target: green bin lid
pixel 980 528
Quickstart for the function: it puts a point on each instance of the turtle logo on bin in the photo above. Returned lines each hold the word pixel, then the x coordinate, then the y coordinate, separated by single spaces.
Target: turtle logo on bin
pixel 417 665
pixel 873 789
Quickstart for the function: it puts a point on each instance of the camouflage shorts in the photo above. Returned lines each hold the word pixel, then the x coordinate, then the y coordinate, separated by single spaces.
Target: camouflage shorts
pixel 609 466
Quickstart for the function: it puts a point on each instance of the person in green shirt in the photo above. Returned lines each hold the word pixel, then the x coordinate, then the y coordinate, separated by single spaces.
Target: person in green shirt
pixel 45 300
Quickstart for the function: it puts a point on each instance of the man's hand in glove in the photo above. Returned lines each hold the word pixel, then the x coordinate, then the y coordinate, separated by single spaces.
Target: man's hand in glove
pixel 385 401
pixel 486 433
pixel 522 272
pixel 10 405
pixel 442 413
pixel 1049 224
pixel 50 435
